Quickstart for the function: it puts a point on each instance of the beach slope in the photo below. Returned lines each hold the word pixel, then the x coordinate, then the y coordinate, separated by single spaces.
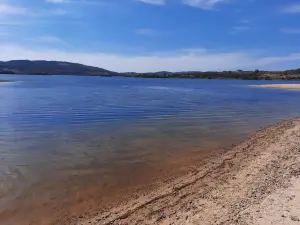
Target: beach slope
pixel 257 182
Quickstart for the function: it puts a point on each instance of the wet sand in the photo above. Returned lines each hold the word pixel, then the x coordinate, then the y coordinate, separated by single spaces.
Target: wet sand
pixel 280 86
pixel 256 182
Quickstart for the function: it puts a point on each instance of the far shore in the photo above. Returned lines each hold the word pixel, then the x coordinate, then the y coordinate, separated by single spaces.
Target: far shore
pixel 5 81
pixel 280 86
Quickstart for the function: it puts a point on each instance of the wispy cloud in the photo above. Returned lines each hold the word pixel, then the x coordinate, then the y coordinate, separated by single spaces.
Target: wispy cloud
pixel 49 39
pixel 7 9
pixel 146 32
pixel 102 3
pixel 239 29
pixel 290 30
pixel 203 4
pixel 13 15
pixel 294 8
pixel 244 25
pixel 8 22
pixel 154 2
pixel 58 1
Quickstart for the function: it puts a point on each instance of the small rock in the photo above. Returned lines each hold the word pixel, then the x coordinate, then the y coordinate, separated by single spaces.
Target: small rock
pixel 291 197
pixel 295 218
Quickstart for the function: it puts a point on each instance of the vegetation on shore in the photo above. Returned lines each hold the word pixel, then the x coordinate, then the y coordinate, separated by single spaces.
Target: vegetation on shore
pixel 236 75
pixel 43 67
pixel 6 81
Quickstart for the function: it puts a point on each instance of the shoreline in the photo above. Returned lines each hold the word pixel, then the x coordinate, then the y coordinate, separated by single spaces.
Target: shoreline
pixel 245 76
pixel 231 189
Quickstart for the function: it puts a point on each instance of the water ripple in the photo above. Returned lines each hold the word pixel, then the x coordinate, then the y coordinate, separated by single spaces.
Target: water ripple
pixel 54 124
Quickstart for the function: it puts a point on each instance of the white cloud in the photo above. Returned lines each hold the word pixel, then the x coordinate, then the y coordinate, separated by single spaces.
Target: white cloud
pixel 49 39
pixel 203 4
pixel 295 8
pixel 183 60
pixel 154 2
pixel 6 9
pixel 7 22
pixel 290 30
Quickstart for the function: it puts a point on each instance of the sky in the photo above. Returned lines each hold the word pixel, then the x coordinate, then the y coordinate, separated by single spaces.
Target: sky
pixel 154 35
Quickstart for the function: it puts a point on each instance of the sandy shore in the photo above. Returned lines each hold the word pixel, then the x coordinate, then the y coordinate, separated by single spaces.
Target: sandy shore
pixel 280 86
pixel 257 182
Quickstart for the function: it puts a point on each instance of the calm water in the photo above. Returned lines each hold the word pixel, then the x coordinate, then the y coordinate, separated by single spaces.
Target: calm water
pixel 53 126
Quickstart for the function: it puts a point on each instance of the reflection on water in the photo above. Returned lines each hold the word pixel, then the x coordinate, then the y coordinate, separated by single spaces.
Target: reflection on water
pixel 55 127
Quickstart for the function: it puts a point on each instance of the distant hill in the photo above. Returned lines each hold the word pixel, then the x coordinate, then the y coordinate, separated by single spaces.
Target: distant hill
pixel 42 67
pixel 51 68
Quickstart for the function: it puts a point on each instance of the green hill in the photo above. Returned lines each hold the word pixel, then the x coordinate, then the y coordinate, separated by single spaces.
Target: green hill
pixel 51 68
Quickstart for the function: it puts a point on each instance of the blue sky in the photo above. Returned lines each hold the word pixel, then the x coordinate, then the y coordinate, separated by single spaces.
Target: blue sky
pixel 154 35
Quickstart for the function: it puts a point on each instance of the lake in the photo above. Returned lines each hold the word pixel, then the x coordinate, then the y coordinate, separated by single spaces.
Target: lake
pixel 84 138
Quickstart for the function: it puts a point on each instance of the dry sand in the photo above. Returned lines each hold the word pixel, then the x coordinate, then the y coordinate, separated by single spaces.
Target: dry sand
pixel 280 86
pixel 257 182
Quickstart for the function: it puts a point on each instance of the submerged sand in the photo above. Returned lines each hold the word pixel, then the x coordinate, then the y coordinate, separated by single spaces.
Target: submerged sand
pixel 257 182
pixel 280 86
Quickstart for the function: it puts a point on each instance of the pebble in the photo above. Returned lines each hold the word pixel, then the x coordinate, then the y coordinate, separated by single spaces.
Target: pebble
pixel 295 218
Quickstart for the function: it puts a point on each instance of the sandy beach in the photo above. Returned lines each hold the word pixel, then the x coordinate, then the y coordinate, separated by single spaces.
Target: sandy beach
pixel 280 86
pixel 256 182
